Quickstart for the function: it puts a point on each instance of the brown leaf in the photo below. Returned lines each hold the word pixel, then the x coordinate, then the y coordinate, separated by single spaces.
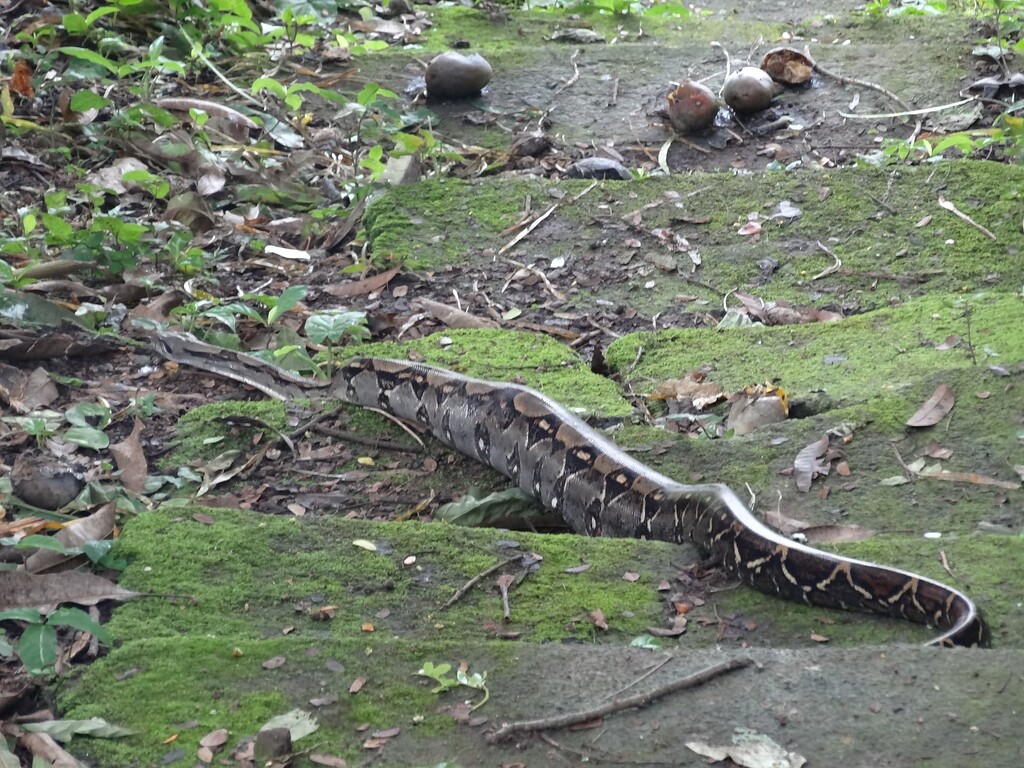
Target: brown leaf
pixel 806 465
pixel 131 460
pixel 630 576
pixel 20 589
pixel 970 477
pixel 597 619
pixel 755 408
pixel 932 412
pixel 452 317
pixel 330 761
pixel 819 638
pixel 935 451
pixel 21 80
pixel 323 701
pixel 357 685
pixel 96 527
pixel 387 733
pixel 274 663
pixel 215 739
pixel 362 287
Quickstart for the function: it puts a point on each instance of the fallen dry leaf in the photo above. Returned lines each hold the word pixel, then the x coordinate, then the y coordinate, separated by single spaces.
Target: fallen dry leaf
pixel 357 685
pixel 364 286
pixel 934 410
pixel 330 761
pixel 215 739
pixel 20 589
pixel 131 459
pixel 96 527
pixel 806 465
pixel 274 663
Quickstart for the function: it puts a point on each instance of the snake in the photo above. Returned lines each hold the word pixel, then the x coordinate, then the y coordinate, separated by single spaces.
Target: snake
pixel 600 490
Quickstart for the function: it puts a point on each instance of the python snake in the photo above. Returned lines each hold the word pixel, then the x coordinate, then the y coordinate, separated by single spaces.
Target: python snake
pixel 598 489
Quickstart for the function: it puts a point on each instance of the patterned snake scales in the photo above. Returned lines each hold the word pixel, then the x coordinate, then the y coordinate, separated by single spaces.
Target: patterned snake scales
pixel 601 491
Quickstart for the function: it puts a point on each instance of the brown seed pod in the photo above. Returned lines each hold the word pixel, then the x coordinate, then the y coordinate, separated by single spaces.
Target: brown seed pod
pixel 692 107
pixel 748 90
pixel 788 66
pixel 452 75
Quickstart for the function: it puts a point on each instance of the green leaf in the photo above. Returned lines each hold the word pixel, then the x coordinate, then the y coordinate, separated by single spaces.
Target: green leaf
pixel 97 550
pixel 269 84
pixel 7 758
pixel 103 10
pixel 38 541
pixel 288 299
pixel 299 722
pixel 645 641
pixel 87 437
pixel 57 229
pixel 63 730
pixel 88 415
pixel 80 620
pixel 31 615
pixel 331 326
pixel 91 56
pixel 430 670
pixel 503 509
pixel 37 648
pixel 74 23
pixel 86 99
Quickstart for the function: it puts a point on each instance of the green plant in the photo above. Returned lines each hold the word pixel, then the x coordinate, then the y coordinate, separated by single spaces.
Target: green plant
pixel 439 674
pixel 37 646
pixel 332 325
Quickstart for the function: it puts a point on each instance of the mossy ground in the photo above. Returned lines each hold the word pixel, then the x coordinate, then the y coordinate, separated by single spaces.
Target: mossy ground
pixel 887 255
pixel 258 579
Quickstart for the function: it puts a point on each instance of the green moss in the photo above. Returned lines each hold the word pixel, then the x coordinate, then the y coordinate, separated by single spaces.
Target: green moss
pixel 879 356
pixel 885 255
pixel 250 575
pixel 155 685
pixel 206 431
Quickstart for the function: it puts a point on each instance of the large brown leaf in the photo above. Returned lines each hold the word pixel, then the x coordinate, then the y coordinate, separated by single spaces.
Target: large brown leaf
pixel 935 409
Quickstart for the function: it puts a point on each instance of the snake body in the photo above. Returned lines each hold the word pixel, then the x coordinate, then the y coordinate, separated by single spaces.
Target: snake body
pixel 599 490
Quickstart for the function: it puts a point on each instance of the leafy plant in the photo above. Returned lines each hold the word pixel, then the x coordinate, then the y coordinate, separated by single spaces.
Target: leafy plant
pixel 332 325
pixel 439 674
pixel 37 646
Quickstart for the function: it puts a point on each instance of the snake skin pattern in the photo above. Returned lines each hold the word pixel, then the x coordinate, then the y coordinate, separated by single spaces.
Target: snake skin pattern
pixel 599 490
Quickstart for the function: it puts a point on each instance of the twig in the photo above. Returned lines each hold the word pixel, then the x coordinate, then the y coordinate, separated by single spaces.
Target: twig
pixel 461 591
pixel 945 563
pixel 515 240
pixel 372 442
pixel 644 676
pixel 503 583
pixel 584 192
pixel 873 87
pixel 834 268
pixel 575 73
pixel 397 421
pixel 943 203
pixel 630 702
